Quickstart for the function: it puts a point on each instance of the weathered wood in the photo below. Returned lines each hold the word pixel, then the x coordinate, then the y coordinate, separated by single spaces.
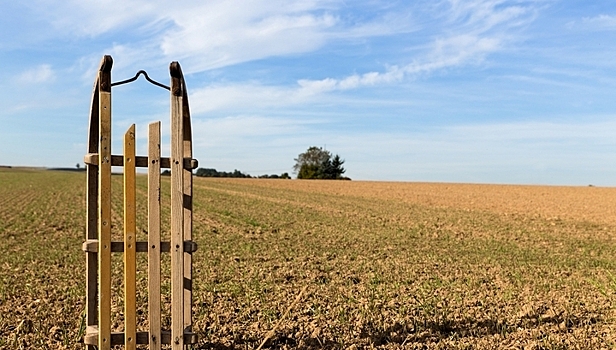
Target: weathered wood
pixel 130 228
pixel 104 204
pixel 91 215
pixel 98 245
pixel 177 209
pixel 154 235
pixel 91 246
pixel 140 161
pixel 188 207
pixel 117 338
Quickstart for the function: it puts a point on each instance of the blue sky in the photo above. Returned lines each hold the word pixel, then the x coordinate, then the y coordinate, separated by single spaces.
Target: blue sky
pixel 486 91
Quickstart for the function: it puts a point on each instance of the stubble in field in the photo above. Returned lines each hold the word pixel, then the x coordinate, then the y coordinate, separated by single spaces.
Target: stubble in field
pixel 382 265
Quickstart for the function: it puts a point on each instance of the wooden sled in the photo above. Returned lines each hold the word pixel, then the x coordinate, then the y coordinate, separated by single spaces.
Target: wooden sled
pixel 98 245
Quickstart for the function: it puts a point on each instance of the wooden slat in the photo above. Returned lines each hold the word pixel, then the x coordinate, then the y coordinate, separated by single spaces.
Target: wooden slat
pixel 154 235
pixel 140 161
pixel 117 338
pixel 91 246
pixel 177 210
pixel 130 228
pixel 188 207
pixel 104 205
pixel 91 215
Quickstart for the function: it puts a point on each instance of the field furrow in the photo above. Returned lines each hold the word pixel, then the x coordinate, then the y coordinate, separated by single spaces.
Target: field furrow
pixel 373 265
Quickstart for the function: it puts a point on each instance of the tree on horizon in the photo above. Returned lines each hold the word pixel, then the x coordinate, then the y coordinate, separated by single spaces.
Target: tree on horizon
pixel 317 163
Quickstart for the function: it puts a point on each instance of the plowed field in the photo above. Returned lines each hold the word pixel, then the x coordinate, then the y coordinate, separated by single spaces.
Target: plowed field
pixel 371 264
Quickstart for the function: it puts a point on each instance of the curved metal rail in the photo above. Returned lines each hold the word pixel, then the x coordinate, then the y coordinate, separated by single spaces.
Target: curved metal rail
pixel 145 74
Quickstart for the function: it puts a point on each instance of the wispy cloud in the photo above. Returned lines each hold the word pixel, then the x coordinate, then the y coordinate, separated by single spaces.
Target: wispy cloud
pixel 312 87
pixel 601 22
pixel 479 16
pixel 214 34
pixel 254 95
pixel 226 35
pixel 476 29
pixel 73 18
pixel 36 75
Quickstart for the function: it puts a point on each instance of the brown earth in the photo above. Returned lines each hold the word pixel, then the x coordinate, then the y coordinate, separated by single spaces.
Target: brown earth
pixel 371 264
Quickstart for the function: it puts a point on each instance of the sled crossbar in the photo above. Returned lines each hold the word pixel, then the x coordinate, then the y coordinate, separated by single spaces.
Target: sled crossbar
pixel 140 161
pixel 91 246
pixel 117 338
pixel 99 246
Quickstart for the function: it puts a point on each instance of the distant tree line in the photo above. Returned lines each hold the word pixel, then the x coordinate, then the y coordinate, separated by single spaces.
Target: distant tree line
pixel 210 172
pixel 274 176
pixel 317 163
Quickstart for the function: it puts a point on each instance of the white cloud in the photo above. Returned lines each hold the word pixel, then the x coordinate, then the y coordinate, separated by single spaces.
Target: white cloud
pixel 90 17
pixel 253 95
pixel 312 87
pixel 219 34
pixel 446 53
pixel 37 75
pixel 461 49
pixel 214 34
pixel 478 29
pixel 601 21
pixel 483 15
